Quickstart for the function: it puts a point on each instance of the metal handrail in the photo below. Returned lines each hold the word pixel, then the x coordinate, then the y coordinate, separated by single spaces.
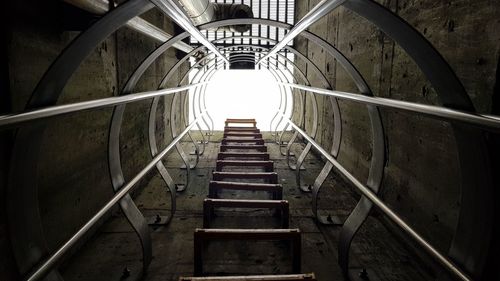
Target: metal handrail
pixel 10 120
pixel 383 207
pixel 176 13
pixel 138 24
pixel 485 121
pixel 316 13
pixel 50 262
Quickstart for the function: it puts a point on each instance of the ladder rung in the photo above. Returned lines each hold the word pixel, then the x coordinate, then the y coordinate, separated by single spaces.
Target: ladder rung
pixel 267 165
pixel 257 147
pixel 260 155
pixel 239 140
pixel 210 203
pixel 243 134
pixel 272 177
pixel 283 277
pixel 275 189
pixel 240 129
pixel 203 235
pixel 241 121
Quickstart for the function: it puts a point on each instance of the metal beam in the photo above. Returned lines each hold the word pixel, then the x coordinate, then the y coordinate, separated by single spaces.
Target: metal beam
pixel 366 191
pixel 320 10
pixel 487 122
pixel 176 13
pixel 9 121
pixel 138 24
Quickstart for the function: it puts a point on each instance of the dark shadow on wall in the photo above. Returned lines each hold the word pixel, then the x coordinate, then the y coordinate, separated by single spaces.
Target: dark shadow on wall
pixel 7 266
pixel 492 272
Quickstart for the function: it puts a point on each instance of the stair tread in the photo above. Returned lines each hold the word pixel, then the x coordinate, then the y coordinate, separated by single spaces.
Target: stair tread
pixel 267 201
pixel 284 277
pixel 250 231
pixel 246 173
pixel 244 145
pixel 231 183
pixel 245 161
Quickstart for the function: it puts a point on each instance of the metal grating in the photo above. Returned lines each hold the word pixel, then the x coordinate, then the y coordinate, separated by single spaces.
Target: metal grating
pixel 280 10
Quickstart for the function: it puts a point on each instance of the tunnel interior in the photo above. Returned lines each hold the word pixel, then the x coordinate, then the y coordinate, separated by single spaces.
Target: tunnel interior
pixel 249 140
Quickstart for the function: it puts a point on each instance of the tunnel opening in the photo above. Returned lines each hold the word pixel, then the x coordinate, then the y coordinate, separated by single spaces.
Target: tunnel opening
pixel 174 166
pixel 244 94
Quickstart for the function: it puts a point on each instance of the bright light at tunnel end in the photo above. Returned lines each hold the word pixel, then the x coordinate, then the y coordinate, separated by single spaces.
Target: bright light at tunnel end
pixel 243 94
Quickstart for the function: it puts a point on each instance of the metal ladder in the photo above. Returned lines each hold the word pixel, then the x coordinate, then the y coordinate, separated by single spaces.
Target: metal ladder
pixel 243 146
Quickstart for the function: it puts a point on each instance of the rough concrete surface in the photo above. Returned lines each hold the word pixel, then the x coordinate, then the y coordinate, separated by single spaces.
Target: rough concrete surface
pixel 422 177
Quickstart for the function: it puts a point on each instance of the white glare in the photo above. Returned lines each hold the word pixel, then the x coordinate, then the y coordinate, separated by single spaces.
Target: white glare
pixel 243 94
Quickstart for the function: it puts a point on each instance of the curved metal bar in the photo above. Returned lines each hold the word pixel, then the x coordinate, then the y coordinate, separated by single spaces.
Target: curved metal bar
pixel 251 60
pixel 377 113
pixel 315 120
pixel 163 84
pixel 198 92
pixel 25 227
pixel 162 170
pixel 370 195
pixel 211 126
pixel 275 115
pixel 377 162
pixel 325 171
pixel 307 148
pixel 254 47
pixel 472 150
pixel 203 93
pixel 55 257
pixel 152 117
pixel 302 75
pixel 231 46
pixel 173 129
pixel 131 211
pixel 446 85
pixel 279 73
pixel 283 106
pixel 195 115
pixel 337 124
pixel 197 150
pixel 278 77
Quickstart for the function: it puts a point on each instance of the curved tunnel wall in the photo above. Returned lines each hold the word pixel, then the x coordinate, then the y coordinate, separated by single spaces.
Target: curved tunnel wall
pixel 383 78
pixel 74 189
pixel 422 174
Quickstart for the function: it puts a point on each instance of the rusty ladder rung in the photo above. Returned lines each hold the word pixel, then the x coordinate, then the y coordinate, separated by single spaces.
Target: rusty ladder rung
pixel 267 165
pixel 272 177
pixel 240 140
pixel 282 277
pixel 261 148
pixel 240 121
pixel 261 155
pixel 280 205
pixel 275 189
pixel 243 134
pixel 201 236
pixel 241 129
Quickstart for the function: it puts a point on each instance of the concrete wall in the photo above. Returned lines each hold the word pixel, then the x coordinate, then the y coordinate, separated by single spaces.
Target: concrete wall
pixel 422 178
pixel 73 177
